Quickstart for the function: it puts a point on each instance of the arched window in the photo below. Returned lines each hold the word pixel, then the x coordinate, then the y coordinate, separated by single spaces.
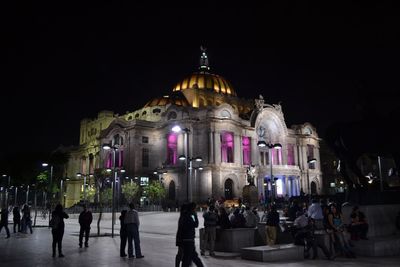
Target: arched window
pixel 171 190
pixel 227 146
pixel 228 189
pixel 246 150
pixel 172 148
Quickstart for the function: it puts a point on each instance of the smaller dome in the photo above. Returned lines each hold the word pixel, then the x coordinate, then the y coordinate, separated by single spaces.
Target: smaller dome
pixel 176 99
pixel 206 81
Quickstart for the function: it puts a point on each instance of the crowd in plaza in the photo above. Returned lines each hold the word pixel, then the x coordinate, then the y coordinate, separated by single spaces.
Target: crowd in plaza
pixel 311 224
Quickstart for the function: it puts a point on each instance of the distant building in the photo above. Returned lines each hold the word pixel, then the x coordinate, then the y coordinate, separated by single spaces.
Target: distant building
pixel 229 134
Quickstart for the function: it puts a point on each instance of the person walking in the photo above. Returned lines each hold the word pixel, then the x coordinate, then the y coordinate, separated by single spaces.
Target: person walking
pixel 26 218
pixel 210 228
pixel 57 228
pixel 16 219
pixel 178 241
pixel 272 226
pixel 123 234
pixel 132 227
pixel 4 221
pixel 188 222
pixel 85 219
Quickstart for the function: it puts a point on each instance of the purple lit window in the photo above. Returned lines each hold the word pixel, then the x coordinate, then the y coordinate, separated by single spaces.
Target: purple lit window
pixel 246 150
pixel 108 160
pixel 290 154
pixel 227 147
pixel 121 158
pixel 276 156
pixel 172 149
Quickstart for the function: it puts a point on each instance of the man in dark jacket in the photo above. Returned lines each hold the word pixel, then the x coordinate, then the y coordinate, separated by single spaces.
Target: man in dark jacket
pixel 85 219
pixel 210 228
pixel 188 222
pixel 4 221
pixel 16 219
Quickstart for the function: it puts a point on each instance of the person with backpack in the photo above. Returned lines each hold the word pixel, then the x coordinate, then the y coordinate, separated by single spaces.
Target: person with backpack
pixel 85 219
pixel 57 228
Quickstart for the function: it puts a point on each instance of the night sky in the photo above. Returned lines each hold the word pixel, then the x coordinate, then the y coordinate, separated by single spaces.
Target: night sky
pixel 60 64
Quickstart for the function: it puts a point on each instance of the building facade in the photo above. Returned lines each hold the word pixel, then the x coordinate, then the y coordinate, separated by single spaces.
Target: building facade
pixel 228 133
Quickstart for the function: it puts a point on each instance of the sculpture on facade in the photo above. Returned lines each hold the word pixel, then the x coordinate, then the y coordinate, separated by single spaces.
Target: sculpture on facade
pixel 250 192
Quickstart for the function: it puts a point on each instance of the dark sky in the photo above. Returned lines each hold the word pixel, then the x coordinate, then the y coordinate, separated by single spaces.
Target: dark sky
pixel 60 64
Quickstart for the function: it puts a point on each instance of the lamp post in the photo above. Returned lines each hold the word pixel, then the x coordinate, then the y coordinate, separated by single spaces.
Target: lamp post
pixel 114 149
pixel 84 184
pixel 27 195
pixel 310 161
pixel 270 146
pixel 6 188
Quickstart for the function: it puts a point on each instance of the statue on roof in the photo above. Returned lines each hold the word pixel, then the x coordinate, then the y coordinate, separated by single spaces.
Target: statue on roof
pixel 204 65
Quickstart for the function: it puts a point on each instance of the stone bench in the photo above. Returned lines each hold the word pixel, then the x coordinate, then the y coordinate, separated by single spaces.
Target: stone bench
pixel 232 240
pixel 286 252
pixel 378 246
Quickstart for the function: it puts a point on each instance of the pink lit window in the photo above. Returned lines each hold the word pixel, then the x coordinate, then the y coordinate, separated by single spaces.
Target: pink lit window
pixel 108 160
pixel 172 149
pixel 290 154
pixel 276 156
pixel 227 147
pixel 246 150
pixel 121 158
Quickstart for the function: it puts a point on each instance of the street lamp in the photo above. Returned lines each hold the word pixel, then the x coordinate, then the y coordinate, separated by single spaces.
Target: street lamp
pixel 84 184
pixel 270 146
pixel 310 161
pixel 114 148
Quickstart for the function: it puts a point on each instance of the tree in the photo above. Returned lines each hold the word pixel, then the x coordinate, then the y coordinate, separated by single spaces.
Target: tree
pixel 131 191
pixel 155 191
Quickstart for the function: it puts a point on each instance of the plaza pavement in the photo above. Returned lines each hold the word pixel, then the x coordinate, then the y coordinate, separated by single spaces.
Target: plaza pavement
pixel 157 234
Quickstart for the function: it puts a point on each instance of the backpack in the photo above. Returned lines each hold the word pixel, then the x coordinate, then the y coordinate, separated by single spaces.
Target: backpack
pixel 55 222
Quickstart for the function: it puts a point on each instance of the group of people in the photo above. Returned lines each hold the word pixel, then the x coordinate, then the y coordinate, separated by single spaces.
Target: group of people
pixel 21 223
pixel 312 225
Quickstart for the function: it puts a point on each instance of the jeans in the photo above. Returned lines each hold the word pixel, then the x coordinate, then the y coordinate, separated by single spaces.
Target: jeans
pixel 84 230
pixel 133 235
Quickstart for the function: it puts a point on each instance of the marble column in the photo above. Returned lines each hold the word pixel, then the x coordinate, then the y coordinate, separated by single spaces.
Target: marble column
pixel 217 147
pixel 237 149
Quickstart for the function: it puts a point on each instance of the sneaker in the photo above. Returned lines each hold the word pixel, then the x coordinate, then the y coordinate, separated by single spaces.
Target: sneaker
pixel 86 245
pixel 131 256
pixel 61 256
pixel 123 255
pixel 139 257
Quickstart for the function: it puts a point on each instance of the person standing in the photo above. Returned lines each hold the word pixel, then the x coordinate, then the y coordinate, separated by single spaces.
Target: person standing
pixel 188 223
pixel 210 228
pixel 85 219
pixel 17 219
pixel 4 221
pixel 178 241
pixel 57 228
pixel 123 234
pixel 26 218
pixel 132 227
pixel 272 226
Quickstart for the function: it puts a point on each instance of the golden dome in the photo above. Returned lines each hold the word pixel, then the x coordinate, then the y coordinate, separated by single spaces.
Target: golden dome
pixel 206 81
pixel 175 99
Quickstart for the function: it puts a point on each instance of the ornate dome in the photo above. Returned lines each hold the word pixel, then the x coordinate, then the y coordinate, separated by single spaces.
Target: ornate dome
pixel 176 99
pixel 206 81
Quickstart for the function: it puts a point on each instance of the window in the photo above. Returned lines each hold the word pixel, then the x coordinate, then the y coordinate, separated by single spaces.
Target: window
pixel 145 139
pixel 227 146
pixel 172 115
pixel 156 110
pixel 310 155
pixel 290 155
pixel 145 157
pixel 137 115
pixel 246 145
pixel 172 148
